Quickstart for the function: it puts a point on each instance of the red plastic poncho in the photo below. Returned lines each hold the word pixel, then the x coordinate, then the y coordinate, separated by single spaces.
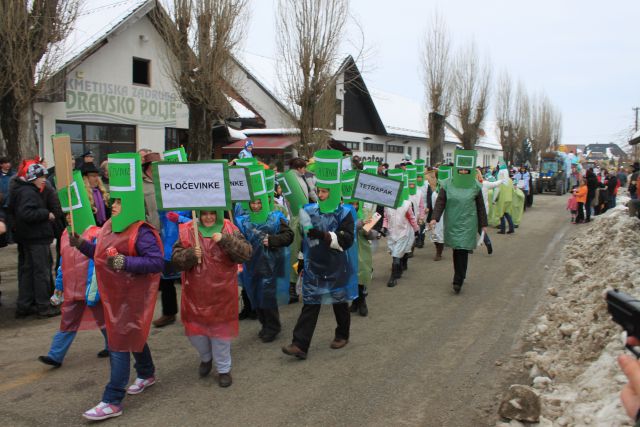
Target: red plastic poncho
pixel 76 314
pixel 210 289
pixel 128 299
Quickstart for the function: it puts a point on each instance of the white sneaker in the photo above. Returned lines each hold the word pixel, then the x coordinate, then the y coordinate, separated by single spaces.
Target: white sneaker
pixel 141 384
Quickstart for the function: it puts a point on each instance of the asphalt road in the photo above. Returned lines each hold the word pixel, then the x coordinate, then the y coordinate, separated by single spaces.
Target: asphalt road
pixel 423 356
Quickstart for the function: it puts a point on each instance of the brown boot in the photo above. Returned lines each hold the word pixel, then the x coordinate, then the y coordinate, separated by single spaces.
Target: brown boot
pixel 338 343
pixel 439 249
pixel 294 350
pixel 164 321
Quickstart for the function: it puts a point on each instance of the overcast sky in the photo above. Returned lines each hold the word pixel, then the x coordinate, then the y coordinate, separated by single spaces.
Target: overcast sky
pixel 584 54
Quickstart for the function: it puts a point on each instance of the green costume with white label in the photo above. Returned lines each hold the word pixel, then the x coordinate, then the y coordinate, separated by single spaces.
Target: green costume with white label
pixel 259 191
pixel 178 155
pixel 80 207
pixel 125 183
pixel 460 215
pixel 328 171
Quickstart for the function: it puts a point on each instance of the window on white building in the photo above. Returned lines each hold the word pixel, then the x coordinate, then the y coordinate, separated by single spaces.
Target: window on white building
pixel 448 157
pixel 378 148
pixel 101 139
pixel 141 71
pixel 427 157
pixel 417 152
pixel 395 149
pixel 409 150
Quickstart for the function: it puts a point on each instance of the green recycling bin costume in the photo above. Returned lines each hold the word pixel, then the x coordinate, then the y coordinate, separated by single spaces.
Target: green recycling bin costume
pixel 464 213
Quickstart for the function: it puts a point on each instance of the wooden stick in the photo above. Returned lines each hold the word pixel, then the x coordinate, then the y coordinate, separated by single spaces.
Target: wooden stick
pixel 195 232
pixel 231 217
pixel 73 228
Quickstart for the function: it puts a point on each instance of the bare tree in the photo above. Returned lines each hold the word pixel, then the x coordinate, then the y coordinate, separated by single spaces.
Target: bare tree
pixel 505 116
pixel 436 69
pixel 542 118
pixel 471 87
pixel 520 123
pixel 308 40
pixel 29 51
pixel 202 35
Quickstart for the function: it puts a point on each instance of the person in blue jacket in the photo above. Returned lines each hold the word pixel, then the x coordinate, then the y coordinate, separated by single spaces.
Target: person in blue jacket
pixel 265 277
pixel 328 274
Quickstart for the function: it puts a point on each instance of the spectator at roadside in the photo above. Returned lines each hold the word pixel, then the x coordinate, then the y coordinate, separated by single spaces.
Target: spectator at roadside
pixel 622 177
pixel 104 172
pixel 299 165
pixel 6 173
pixel 592 185
pixel 612 189
pixel 633 181
pixel 34 234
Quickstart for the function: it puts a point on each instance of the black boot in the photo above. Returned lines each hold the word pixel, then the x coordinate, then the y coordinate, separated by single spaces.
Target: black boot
pixel 355 304
pixel 247 312
pixel 405 262
pixel 396 271
pixel 363 310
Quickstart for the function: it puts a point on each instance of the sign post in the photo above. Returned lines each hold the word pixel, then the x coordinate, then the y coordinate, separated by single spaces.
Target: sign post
pixel 62 156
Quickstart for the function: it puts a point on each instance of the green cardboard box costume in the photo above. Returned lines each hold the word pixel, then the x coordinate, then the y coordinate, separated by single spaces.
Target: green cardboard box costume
pixel 259 191
pixel 296 199
pixel 125 183
pixel 460 215
pixel 370 167
pixel 80 207
pixel 177 155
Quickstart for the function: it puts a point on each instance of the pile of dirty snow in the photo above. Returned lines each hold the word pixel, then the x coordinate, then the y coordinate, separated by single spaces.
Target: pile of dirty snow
pixel 575 343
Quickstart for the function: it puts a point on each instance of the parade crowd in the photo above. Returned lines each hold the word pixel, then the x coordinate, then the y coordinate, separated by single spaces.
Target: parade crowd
pixel 300 237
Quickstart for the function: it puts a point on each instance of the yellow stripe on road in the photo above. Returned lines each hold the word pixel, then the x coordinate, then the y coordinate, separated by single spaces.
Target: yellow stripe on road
pixel 27 379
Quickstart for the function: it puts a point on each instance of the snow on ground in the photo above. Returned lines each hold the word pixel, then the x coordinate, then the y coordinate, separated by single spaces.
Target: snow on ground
pixel 575 343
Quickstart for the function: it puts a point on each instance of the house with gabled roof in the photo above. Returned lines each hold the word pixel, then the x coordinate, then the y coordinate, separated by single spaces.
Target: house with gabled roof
pixel 113 92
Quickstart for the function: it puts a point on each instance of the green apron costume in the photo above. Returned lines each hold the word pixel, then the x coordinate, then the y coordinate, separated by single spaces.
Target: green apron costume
pixel 80 207
pixel 460 215
pixel 505 193
pixel 517 206
pixel 125 183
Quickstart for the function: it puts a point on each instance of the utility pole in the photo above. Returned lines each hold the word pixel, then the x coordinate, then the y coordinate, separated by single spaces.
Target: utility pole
pixel 636 109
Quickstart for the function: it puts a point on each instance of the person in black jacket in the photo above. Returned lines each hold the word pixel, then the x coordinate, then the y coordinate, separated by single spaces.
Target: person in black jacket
pixel 592 185
pixel 34 233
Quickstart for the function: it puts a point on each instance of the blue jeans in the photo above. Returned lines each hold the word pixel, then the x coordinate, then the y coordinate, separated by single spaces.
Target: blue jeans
pixel 115 391
pixel 62 341
pixel 612 202
pixel 509 220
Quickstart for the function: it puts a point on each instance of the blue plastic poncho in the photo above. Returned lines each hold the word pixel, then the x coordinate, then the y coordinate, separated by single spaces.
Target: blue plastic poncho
pixel 352 252
pixel 328 275
pixel 265 277
pixel 169 236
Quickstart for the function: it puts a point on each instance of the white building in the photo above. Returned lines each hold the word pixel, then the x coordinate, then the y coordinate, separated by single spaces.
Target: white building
pixel 115 94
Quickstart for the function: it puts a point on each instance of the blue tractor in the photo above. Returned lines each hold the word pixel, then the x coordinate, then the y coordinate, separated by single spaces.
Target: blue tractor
pixel 552 176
